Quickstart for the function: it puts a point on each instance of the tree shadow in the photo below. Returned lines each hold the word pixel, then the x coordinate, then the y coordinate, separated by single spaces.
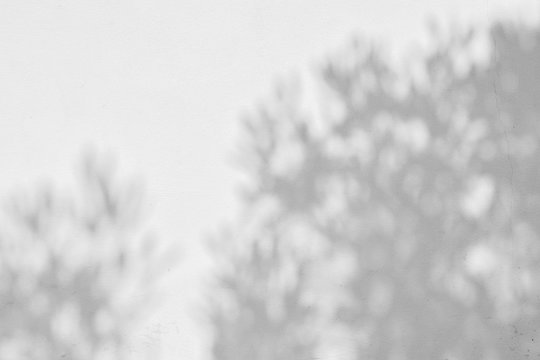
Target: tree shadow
pixel 417 206
pixel 77 270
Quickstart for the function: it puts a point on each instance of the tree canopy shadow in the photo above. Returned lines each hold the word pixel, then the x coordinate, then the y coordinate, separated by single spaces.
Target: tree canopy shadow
pixel 398 218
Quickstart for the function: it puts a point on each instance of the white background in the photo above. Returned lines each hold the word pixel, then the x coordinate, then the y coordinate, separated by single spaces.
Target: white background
pixel 160 85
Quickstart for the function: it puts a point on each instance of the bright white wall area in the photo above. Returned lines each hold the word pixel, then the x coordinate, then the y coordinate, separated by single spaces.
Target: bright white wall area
pixel 160 84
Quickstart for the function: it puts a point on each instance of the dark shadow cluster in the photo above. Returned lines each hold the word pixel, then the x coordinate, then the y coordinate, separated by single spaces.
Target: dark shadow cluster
pixel 399 218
